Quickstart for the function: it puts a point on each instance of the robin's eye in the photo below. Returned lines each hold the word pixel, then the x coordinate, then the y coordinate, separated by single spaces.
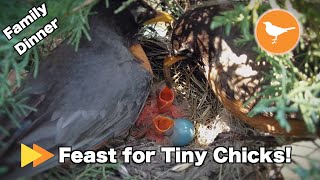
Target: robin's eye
pixel 139 13
pixel 141 10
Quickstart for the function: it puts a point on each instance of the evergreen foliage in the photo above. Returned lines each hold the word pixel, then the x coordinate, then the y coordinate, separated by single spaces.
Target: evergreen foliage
pixel 72 22
pixel 295 81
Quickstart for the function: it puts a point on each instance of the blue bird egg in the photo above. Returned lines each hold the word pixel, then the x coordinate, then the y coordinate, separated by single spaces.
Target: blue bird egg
pixel 183 132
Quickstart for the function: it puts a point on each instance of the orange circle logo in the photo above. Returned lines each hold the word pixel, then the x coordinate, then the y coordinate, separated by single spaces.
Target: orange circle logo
pixel 277 31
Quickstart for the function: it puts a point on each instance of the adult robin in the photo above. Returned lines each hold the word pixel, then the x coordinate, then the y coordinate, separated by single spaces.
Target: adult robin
pixel 233 73
pixel 86 97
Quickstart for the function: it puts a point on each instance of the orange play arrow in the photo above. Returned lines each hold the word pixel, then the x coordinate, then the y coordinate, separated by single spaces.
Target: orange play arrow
pixel 45 155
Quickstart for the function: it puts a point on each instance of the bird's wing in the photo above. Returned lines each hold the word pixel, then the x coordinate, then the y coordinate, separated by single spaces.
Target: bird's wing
pixel 90 96
pixel 84 109
pixel 84 113
pixel 277 30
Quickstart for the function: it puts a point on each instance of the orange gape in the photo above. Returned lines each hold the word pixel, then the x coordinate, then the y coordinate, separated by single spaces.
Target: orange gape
pixel 165 99
pixel 162 124
pixel 156 119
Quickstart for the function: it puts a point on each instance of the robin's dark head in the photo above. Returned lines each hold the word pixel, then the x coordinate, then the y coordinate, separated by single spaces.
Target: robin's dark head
pixel 192 38
pixel 192 34
pixel 129 16
pixel 141 12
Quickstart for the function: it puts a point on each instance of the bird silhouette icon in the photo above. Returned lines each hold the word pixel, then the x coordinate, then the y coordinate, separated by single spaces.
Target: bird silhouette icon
pixel 275 31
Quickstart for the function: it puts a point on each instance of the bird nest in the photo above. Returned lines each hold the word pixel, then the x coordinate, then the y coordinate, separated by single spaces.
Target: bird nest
pixel 214 127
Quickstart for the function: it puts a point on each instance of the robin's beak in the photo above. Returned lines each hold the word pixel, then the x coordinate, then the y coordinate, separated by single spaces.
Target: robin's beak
pixel 170 60
pixel 167 63
pixel 160 17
